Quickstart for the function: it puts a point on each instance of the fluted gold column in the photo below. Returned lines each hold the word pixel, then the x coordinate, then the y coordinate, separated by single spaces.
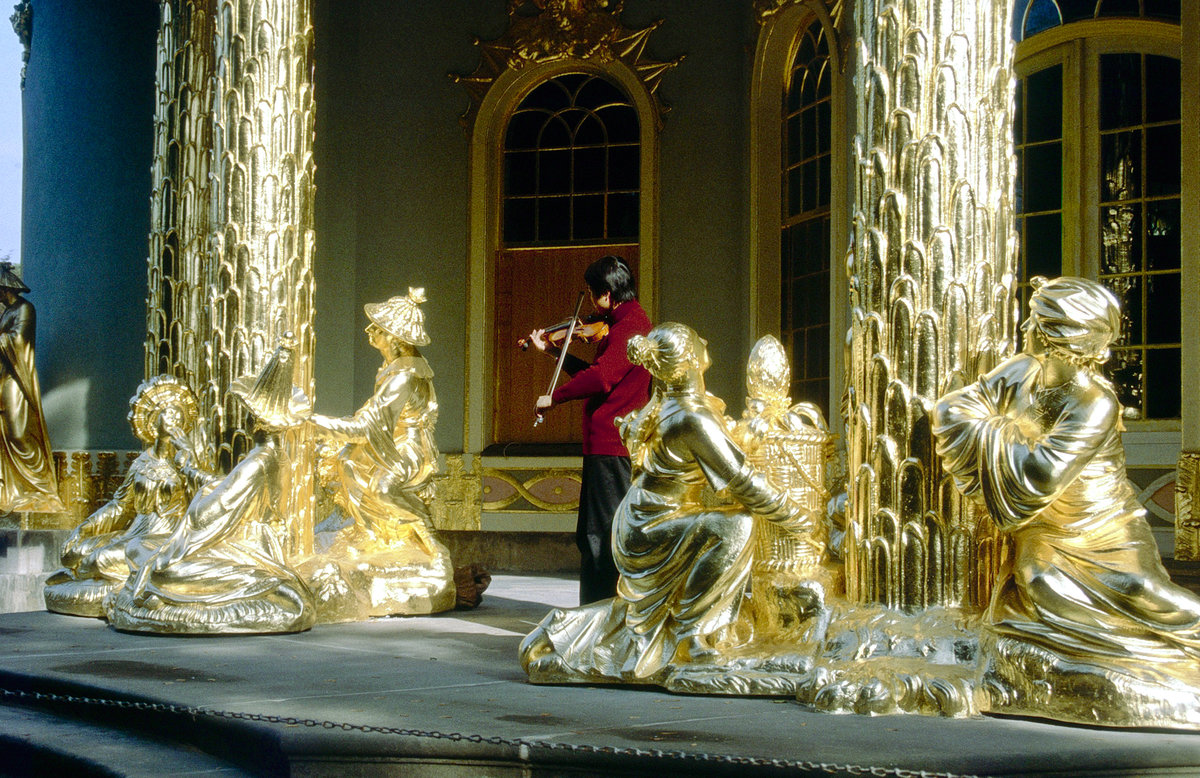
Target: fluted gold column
pixel 177 306
pixel 232 238
pixel 931 286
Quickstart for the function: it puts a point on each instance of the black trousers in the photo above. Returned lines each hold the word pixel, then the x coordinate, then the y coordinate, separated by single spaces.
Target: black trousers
pixel 605 481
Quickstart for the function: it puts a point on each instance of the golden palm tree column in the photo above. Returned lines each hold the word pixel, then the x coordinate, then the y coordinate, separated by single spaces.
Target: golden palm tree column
pixel 232 237
pixel 178 324
pixel 931 287
pixel 262 242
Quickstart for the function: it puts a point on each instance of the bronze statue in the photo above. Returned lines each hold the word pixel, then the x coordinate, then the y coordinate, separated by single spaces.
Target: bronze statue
pixel 27 481
pixel 1084 625
pixel 378 466
pixel 146 507
pixel 682 537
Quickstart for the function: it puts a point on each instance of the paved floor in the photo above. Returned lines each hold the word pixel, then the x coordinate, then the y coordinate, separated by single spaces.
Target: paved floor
pixel 380 681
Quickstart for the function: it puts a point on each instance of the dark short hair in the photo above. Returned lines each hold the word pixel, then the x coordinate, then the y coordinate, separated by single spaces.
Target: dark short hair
pixel 611 274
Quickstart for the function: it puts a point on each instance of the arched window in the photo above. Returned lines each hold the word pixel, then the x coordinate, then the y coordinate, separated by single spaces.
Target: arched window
pixel 571 165
pixel 805 226
pixel 570 194
pixel 1098 143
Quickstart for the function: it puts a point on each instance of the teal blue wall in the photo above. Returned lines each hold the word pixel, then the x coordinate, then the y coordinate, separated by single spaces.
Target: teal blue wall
pixel 89 108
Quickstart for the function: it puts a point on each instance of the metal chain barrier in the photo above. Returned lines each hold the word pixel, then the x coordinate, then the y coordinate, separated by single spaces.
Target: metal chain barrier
pixel 523 745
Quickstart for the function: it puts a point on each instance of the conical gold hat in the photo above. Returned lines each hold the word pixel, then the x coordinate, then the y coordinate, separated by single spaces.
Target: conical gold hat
pixel 401 317
pixel 271 396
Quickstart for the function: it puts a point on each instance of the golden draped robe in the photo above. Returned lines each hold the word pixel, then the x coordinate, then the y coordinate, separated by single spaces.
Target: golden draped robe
pixel 683 544
pixel 222 569
pixel 27 481
pixel 1086 593
pixel 146 508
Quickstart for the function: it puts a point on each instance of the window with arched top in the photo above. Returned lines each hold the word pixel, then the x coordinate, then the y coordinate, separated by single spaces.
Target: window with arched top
pixel 570 194
pixel 805 266
pixel 1098 143
pixel 571 165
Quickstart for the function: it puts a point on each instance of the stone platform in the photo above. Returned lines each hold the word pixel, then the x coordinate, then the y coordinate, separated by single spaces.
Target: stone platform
pixel 444 696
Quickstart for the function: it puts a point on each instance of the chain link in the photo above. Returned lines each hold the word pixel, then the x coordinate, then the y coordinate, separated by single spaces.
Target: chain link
pixel 519 743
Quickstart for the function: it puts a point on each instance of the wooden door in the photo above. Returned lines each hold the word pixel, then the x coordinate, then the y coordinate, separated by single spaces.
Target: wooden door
pixel 537 287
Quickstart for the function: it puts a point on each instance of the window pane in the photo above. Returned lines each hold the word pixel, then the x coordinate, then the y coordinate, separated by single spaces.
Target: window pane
pixel 1118 8
pixel 1162 89
pixel 519 172
pixel 523 130
pixel 1074 10
pixel 518 221
pixel 1164 295
pixel 1163 383
pixel 1162 160
pixel 621 123
pixel 624 167
pixel 1043 246
pixel 1120 90
pixel 1043 115
pixel 1121 239
pixel 589 170
pixel 1161 9
pixel 1125 371
pixel 1162 235
pixel 588 222
pixel 554 218
pixel 1043 170
pixel 1121 163
pixel 623 216
pixel 1041 15
pixel 554 172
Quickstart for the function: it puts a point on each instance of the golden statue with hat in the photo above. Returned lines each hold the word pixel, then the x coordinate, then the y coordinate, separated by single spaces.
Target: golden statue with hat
pixel 27 481
pixel 378 467
pixel 146 507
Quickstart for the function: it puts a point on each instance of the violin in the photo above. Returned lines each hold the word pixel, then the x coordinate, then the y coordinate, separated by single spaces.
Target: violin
pixel 589 329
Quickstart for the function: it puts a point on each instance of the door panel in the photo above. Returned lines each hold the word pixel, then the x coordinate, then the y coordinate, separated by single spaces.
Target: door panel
pixel 538 287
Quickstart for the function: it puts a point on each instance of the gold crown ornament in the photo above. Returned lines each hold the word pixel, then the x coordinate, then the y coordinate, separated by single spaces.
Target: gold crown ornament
pixel 155 394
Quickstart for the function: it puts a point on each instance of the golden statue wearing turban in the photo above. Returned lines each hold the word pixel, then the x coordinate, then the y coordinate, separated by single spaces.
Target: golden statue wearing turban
pixel 146 507
pixel 1084 625
pixel 27 481
pixel 682 537
pixel 379 466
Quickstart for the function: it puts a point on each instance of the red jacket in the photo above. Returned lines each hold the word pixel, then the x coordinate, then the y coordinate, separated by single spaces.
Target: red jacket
pixel 612 385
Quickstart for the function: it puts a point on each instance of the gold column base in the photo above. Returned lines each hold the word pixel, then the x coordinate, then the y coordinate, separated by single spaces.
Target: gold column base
pixel 361 576
pixel 1187 507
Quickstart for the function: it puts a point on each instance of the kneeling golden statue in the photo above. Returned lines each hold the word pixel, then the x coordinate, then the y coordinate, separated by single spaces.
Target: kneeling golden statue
pixel 146 507
pixel 378 466
pixel 683 538
pixel 1084 626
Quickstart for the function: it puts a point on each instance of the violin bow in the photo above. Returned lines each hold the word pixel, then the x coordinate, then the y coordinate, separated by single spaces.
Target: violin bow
pixel 562 355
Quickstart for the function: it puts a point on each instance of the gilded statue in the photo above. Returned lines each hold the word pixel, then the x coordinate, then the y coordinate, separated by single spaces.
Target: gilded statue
pixel 27 481
pixel 145 508
pixel 683 537
pixel 378 467
pixel 1084 624
pixel 790 443
pixel 222 570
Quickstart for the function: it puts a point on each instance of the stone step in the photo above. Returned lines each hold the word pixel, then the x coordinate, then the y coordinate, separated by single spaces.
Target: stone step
pixel 38 742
